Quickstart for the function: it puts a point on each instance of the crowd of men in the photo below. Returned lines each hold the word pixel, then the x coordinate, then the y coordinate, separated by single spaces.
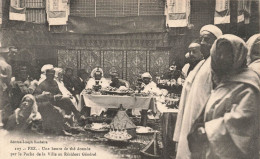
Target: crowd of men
pixel 218 110
pixel 219 106
pixel 55 96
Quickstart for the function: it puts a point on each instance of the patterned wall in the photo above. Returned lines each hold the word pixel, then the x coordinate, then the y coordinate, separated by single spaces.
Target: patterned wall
pixel 136 64
pixel 89 60
pixel 68 58
pixel 113 61
pixel 129 64
pixel 159 62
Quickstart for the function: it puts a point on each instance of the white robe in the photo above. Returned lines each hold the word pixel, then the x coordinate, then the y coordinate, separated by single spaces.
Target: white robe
pixel 91 82
pixel 184 95
pixel 195 102
pixel 66 93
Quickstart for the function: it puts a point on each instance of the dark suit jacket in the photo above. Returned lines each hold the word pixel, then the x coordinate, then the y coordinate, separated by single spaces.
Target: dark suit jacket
pixel 78 85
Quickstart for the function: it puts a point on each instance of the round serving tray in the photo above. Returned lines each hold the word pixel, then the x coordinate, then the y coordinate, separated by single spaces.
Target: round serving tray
pixel 118 140
pixel 99 130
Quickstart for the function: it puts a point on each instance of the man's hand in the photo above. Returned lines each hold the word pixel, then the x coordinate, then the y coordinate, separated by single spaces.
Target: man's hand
pixel 48 95
pixel 57 97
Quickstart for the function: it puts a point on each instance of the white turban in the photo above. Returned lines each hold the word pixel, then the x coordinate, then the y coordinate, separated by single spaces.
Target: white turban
pixel 43 72
pixel 46 67
pixel 57 71
pixel 146 74
pixel 95 70
pixel 212 29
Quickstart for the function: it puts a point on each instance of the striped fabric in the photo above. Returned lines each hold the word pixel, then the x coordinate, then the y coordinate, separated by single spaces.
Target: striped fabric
pixel 57 12
pixel 16 12
pixel 177 13
pixel 244 10
pixel 222 12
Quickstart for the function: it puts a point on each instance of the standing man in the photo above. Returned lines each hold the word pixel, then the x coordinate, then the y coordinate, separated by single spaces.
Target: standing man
pixel 196 91
pixel 5 78
pixel 194 56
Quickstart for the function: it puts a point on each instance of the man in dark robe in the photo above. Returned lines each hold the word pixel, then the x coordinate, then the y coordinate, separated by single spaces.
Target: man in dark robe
pixel 80 81
pixel 20 87
pixel 5 78
pixel 67 80
pixel 173 73
pixel 116 82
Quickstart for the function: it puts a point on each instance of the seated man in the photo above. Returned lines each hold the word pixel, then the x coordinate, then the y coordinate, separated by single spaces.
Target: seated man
pixel 97 82
pixel 173 73
pixel 43 72
pixel 50 86
pixel 68 80
pixel 97 79
pixel 116 82
pixel 20 86
pixel 79 82
pixel 148 86
pixel 65 92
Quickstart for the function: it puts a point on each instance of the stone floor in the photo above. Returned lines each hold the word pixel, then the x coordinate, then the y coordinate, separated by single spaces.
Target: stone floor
pixel 87 139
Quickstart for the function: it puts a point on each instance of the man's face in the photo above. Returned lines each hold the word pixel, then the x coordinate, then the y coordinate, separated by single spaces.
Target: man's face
pixel 194 53
pixel 23 73
pixel 146 80
pixel 69 72
pixel 60 76
pixel 84 76
pixel 98 75
pixel 254 52
pixel 222 59
pixel 26 106
pixel 206 41
pixel 114 78
pixel 50 75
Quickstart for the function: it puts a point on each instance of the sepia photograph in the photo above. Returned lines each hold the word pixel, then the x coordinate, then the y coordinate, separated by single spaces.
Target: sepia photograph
pixel 137 79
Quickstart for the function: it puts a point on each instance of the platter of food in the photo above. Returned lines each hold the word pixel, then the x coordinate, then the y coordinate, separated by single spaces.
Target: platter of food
pixel 118 136
pixel 99 127
pixel 142 94
pixel 144 130
pixel 115 91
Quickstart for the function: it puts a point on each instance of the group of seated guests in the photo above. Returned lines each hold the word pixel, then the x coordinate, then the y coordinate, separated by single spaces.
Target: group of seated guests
pixel 53 101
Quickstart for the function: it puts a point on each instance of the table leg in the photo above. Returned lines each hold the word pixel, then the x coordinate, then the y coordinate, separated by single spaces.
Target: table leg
pixel 168 125
pixel 85 110
pixel 143 117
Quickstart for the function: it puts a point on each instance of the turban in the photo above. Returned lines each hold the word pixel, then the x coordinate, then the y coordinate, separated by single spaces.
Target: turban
pixel 46 67
pixel 147 75
pixel 212 29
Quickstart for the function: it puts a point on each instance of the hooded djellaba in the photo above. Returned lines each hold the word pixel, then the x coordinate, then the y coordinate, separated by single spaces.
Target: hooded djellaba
pixel 25 116
pixel 229 126
pixel 253 56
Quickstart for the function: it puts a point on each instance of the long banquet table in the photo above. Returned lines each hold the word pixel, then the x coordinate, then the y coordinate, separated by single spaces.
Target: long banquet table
pixel 114 101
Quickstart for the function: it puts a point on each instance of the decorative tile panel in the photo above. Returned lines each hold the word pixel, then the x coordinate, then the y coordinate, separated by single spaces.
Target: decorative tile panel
pixel 113 61
pixel 136 65
pixel 89 59
pixel 68 58
pixel 159 62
